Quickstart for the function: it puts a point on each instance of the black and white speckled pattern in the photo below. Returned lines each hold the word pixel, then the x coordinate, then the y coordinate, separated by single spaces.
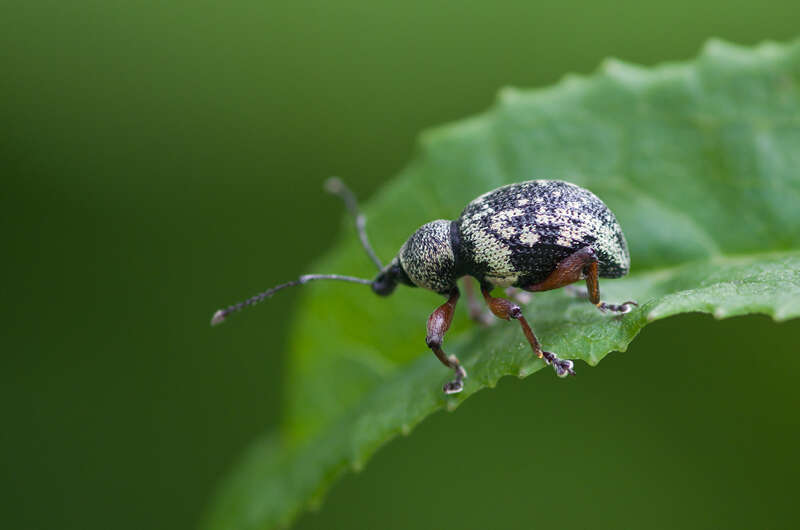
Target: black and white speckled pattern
pixel 427 257
pixel 517 234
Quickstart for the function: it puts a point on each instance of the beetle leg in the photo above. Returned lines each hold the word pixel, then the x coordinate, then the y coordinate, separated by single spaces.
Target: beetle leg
pixel 581 264
pixel 577 292
pixel 593 286
pixel 477 313
pixel 438 324
pixel 518 295
pixel 507 310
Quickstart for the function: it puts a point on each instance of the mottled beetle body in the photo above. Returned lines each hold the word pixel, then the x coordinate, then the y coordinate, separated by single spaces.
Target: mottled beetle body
pixel 536 236
pixel 514 236
pixel 517 235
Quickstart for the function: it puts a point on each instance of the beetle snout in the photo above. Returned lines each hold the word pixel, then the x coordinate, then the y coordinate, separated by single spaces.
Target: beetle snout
pixel 384 284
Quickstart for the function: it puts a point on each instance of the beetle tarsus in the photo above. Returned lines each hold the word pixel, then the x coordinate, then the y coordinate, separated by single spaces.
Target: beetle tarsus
pixel 563 367
pixel 506 310
pixel 438 324
pixel 623 308
pixel 456 385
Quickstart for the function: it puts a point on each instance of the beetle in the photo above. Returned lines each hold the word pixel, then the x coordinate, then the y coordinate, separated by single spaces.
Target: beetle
pixel 535 236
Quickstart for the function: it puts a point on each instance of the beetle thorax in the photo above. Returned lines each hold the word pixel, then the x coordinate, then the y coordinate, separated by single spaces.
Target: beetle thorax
pixel 428 258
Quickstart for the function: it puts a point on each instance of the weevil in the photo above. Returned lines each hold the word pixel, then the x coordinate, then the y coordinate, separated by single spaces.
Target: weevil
pixel 535 236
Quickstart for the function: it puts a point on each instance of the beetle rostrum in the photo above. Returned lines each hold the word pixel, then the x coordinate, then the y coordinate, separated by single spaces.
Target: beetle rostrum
pixel 534 236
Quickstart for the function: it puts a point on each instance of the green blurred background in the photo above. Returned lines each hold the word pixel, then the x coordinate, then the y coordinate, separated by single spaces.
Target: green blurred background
pixel 161 159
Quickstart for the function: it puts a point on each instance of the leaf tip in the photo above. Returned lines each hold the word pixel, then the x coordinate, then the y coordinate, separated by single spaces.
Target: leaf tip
pixel 509 94
pixel 785 313
pixel 622 71
pixel 716 47
pixel 770 48
pixel 719 48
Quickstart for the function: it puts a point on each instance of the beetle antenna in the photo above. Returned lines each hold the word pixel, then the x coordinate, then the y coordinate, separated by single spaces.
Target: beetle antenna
pixel 335 186
pixel 222 314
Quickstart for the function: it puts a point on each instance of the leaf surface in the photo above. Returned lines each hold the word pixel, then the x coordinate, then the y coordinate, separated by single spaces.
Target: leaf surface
pixel 699 161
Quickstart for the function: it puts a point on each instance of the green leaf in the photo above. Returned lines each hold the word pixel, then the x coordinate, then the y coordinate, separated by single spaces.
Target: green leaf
pixel 698 160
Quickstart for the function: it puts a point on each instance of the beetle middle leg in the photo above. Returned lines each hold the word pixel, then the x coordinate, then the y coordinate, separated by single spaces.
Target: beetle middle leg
pixel 581 264
pixel 518 295
pixel 438 324
pixel 477 312
pixel 507 310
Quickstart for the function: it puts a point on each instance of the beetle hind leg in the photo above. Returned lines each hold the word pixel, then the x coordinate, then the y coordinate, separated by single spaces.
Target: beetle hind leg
pixel 506 310
pixel 438 324
pixel 591 273
pixel 581 264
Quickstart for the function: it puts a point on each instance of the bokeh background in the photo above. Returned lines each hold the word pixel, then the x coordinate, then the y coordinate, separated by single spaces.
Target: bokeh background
pixel 161 159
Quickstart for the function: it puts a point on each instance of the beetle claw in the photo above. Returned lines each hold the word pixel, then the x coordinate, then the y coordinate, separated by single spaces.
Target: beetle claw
pixel 563 367
pixel 453 387
pixel 456 385
pixel 623 308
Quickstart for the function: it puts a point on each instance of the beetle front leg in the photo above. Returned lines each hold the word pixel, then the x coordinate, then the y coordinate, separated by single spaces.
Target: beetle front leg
pixel 507 310
pixel 438 324
pixel 578 265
